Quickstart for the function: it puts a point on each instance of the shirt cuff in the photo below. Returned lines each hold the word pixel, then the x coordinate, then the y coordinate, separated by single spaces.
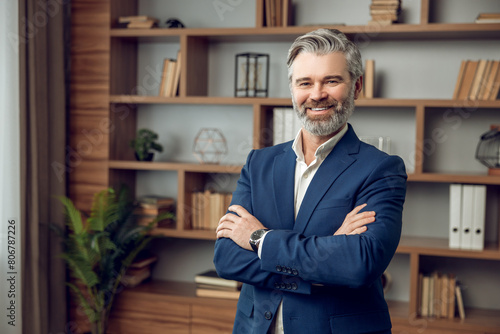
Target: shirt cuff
pixel 259 251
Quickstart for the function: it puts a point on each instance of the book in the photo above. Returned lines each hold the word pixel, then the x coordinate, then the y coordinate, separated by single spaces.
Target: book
pixel 177 76
pixel 460 302
pixel 460 78
pixel 212 293
pixel 369 81
pixel 136 18
pixel 467 79
pixel 143 261
pixel 142 24
pixel 490 81
pixel 210 277
pixel 148 201
pixel 478 79
pixel 495 86
pixel 207 208
pixel 488 18
pixel 134 277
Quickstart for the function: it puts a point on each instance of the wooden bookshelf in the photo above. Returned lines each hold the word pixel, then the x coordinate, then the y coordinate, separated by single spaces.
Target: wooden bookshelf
pixel 101 90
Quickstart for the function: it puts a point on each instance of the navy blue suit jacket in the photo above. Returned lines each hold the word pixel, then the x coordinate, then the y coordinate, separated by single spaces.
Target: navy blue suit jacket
pixel 328 284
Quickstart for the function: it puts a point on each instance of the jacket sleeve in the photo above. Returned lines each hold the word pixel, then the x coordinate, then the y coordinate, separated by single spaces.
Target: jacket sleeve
pixel 347 260
pixel 235 263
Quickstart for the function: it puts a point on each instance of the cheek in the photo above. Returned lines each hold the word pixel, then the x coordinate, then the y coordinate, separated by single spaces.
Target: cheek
pixel 299 97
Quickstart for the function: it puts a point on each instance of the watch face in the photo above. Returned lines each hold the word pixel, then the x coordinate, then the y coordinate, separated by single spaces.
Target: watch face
pixel 256 235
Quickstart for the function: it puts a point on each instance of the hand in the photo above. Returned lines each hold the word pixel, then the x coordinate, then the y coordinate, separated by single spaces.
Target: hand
pixel 238 227
pixel 355 223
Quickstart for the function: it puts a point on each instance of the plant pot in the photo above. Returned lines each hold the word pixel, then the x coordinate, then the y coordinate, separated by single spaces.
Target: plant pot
pixel 149 157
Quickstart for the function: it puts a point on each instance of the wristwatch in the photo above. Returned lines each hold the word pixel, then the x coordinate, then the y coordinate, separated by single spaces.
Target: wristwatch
pixel 256 237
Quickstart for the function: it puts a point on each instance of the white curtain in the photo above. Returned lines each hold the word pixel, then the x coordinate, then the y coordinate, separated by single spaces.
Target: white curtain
pixel 10 184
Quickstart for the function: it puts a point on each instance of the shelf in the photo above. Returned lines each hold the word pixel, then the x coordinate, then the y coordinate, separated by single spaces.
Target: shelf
pixel 439 247
pixel 184 234
pixel 174 166
pixel 476 321
pixel 274 34
pixel 455 178
pixel 280 101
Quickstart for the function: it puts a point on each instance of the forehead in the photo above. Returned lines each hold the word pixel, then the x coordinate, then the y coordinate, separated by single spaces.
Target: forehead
pixel 309 65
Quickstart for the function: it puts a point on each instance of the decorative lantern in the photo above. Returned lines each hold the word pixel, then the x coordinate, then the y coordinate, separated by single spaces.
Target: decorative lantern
pixel 209 146
pixel 488 150
pixel 251 75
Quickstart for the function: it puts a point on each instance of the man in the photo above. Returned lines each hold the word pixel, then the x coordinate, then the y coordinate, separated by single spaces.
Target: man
pixel 306 269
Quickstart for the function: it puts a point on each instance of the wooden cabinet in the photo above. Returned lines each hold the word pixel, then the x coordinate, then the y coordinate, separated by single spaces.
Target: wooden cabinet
pixel 104 109
pixel 170 307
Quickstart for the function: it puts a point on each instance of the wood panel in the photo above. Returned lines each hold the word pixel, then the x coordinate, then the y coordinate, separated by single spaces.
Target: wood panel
pixel 89 96
pixel 207 319
pixel 196 67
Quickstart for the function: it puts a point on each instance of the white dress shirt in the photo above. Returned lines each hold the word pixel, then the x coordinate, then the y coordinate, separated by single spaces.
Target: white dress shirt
pixel 303 176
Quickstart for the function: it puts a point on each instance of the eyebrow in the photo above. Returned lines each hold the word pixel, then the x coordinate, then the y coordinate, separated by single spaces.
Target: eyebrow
pixel 328 77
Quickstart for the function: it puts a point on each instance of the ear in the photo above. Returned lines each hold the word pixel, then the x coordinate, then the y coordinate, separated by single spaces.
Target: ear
pixel 358 86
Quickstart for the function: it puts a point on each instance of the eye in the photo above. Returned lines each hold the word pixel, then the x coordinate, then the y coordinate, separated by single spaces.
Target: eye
pixel 303 84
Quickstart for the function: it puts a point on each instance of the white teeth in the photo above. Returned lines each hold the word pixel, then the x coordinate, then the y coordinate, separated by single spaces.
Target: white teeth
pixel 318 109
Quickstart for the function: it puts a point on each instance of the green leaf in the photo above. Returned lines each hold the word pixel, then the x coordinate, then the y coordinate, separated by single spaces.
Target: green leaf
pixel 73 215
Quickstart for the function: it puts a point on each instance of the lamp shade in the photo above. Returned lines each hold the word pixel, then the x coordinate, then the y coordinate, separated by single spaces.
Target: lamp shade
pixel 488 148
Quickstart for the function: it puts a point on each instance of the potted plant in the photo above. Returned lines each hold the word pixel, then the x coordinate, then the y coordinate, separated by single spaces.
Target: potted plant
pixel 145 144
pixel 99 250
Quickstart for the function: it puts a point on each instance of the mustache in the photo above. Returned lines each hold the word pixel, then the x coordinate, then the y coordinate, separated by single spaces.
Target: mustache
pixel 322 104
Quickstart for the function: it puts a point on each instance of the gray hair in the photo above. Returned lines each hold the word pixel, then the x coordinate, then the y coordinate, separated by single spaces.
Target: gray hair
pixel 323 42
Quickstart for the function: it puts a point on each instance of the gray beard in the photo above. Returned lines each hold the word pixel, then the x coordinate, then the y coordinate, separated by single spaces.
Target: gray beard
pixel 328 124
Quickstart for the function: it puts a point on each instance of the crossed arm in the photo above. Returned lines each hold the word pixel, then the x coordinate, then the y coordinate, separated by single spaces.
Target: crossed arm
pixel 238 227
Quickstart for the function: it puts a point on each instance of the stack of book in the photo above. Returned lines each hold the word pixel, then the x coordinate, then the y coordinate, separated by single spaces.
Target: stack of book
pixel 209 284
pixel 139 271
pixel 138 21
pixel 207 208
pixel 478 80
pixel 278 13
pixel 439 296
pixel 384 12
pixel 488 18
pixel 170 77
pixel 149 207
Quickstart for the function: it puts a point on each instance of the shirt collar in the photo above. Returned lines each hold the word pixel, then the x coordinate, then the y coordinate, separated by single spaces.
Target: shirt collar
pixel 323 150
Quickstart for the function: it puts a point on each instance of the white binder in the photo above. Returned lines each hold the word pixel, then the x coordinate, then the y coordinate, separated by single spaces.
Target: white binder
pixel 478 217
pixel 467 216
pixel 455 215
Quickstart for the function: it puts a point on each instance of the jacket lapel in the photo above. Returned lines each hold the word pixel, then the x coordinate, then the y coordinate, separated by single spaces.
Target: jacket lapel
pixel 283 187
pixel 332 167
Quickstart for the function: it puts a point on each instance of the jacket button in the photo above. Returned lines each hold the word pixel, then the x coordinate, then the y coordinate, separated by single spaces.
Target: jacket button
pixel 295 272
pixel 279 269
pixel 276 285
pixel 294 286
pixel 288 286
pixel 288 270
pixel 268 315
pixel 282 285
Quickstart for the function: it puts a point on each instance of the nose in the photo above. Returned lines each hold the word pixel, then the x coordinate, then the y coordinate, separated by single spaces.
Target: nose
pixel 318 93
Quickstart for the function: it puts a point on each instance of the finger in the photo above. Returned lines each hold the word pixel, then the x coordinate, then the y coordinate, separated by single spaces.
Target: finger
pixel 239 210
pixel 359 230
pixel 356 210
pixel 224 225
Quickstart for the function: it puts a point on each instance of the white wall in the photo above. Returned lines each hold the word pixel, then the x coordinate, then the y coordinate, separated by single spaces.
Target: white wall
pixel 10 196
pixel 404 69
